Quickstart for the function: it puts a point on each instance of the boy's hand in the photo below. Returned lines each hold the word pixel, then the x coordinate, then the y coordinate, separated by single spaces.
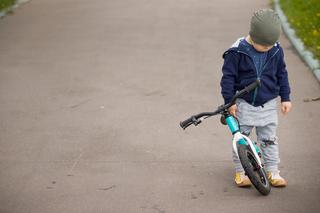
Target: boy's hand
pixel 233 110
pixel 285 107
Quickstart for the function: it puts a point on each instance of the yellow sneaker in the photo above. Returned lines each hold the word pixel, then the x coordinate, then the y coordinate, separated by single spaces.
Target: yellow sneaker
pixel 276 180
pixel 242 180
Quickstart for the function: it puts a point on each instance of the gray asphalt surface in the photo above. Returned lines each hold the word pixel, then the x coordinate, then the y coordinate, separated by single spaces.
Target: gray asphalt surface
pixel 91 94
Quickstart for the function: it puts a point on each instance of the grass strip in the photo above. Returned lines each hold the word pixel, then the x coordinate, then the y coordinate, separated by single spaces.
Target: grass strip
pixel 4 4
pixel 304 17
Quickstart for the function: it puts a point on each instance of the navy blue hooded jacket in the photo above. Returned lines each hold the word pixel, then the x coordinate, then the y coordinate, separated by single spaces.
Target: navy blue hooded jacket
pixel 239 71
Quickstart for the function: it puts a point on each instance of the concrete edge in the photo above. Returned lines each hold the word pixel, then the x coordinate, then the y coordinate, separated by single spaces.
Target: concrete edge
pixel 306 55
pixel 4 12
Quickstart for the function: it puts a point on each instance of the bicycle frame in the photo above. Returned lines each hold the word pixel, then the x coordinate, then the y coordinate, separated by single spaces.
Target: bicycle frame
pixel 239 138
pixel 243 145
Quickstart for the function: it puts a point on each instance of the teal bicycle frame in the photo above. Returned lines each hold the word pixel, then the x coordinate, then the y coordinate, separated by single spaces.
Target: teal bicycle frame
pixel 241 139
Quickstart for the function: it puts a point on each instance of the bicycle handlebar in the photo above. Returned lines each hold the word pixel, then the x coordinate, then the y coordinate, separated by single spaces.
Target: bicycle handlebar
pixel 242 92
pixel 186 123
pixel 195 119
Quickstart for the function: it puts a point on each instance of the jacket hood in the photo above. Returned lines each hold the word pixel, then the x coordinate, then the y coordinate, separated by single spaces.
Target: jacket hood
pixel 240 47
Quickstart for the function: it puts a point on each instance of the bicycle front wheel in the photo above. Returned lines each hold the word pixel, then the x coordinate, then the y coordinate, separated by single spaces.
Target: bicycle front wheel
pixel 256 173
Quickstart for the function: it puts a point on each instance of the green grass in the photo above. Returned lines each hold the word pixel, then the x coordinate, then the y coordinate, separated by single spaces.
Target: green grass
pixel 304 17
pixel 6 3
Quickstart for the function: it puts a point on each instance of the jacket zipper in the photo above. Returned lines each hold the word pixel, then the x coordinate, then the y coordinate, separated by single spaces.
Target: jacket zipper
pixel 268 61
pixel 259 74
pixel 255 94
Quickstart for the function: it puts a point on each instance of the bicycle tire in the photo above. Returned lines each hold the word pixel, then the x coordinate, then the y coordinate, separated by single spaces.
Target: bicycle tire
pixel 256 175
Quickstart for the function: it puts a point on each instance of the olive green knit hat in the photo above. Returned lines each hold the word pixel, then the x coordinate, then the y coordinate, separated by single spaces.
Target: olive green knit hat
pixel 265 27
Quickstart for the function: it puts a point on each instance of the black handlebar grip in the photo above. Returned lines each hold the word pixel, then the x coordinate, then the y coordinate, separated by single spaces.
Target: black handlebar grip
pixel 253 86
pixel 186 123
pixel 242 92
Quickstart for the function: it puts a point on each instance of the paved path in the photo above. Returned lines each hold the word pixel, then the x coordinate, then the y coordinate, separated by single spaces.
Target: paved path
pixel 91 93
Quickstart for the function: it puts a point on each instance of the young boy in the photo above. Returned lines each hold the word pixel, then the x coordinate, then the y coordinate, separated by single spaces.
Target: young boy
pixel 258 56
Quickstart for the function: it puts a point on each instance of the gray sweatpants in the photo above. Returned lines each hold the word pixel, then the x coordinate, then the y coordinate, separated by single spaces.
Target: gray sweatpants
pixel 265 120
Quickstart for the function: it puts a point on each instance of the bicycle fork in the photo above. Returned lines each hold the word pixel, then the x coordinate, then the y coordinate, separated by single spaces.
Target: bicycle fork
pixel 239 138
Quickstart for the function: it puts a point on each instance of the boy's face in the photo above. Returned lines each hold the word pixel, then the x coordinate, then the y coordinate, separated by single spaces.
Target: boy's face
pixel 261 48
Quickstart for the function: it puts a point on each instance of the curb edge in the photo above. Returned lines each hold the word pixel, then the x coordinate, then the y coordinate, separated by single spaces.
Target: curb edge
pixel 306 55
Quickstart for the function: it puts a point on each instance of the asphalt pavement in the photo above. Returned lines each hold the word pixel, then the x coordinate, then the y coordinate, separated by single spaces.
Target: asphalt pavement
pixel 91 96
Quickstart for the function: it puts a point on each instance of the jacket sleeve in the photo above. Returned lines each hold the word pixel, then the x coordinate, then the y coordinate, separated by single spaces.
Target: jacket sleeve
pixel 229 75
pixel 283 81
